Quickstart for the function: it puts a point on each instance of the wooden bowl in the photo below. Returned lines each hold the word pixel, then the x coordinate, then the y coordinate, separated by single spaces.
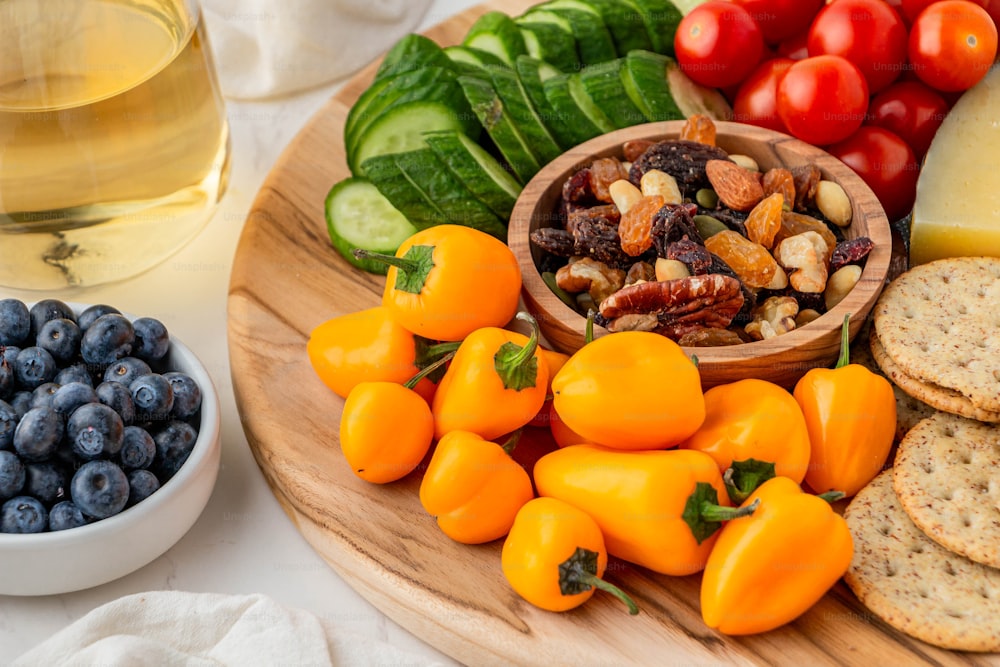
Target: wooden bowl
pixel 783 359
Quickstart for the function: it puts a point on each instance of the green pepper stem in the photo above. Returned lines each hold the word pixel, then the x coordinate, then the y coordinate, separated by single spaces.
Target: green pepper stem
pixel 511 442
pixel 743 477
pixel 517 365
pixel 588 335
pixel 831 496
pixel 427 353
pixel 400 263
pixel 845 343
pixel 703 514
pixel 600 584
pixel 712 512
pixel 427 370
pixel 578 574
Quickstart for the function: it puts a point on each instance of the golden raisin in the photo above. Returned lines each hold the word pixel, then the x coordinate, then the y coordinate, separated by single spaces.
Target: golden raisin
pixel 780 180
pixel 603 172
pixel 636 226
pixel 700 128
pixel 751 261
pixel 793 224
pixel 634 148
pixel 764 220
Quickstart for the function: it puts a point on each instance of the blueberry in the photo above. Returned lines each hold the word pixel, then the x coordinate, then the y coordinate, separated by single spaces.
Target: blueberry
pixel 8 380
pixel 187 394
pixel 151 339
pixel 108 338
pixel 49 309
pixel 21 402
pixel 142 484
pixel 91 313
pixel 65 515
pixel 23 514
pixel 74 373
pixel 61 337
pixel 153 397
pixel 138 449
pixel 8 353
pixel 95 430
pixel 100 489
pixel 8 423
pixel 38 434
pixel 116 396
pixel 70 396
pixel 41 397
pixel 15 322
pixel 45 481
pixel 34 366
pixel 174 443
pixel 12 475
pixel 126 370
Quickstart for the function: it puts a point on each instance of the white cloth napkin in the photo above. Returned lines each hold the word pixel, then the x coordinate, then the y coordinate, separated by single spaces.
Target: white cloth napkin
pixel 266 48
pixel 174 628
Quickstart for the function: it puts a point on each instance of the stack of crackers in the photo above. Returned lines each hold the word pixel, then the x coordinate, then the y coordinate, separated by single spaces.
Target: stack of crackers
pixel 927 530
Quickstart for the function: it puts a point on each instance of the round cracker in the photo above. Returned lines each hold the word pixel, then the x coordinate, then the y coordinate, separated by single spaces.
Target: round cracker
pixel 939 398
pixel 913 583
pixel 937 323
pixel 945 479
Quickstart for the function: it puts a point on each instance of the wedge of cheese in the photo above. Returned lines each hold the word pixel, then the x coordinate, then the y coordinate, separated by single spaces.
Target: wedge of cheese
pixel 957 209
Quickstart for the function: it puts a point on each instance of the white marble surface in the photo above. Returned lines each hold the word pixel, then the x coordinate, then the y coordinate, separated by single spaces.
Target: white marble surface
pixel 243 542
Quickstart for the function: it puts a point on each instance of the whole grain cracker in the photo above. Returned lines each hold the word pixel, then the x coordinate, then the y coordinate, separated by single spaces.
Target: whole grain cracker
pixel 940 398
pixel 914 584
pixel 946 478
pixel 938 324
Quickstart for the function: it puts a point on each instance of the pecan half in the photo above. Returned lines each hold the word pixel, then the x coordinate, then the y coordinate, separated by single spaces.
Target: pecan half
pixel 682 305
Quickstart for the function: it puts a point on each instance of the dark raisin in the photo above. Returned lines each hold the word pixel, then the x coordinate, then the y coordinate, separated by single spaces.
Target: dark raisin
pixel 854 251
pixel 598 238
pixel 672 223
pixel 693 255
pixel 577 189
pixel 559 242
pixel 684 160
pixel 609 212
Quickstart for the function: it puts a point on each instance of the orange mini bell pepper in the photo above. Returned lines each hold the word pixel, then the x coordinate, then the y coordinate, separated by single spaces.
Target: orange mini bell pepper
pixel 369 346
pixel 554 360
pixel 630 390
pixel 494 385
pixel 767 569
pixel 657 509
pixel 754 419
pixel 474 488
pixel 554 556
pixel 851 415
pixel 446 281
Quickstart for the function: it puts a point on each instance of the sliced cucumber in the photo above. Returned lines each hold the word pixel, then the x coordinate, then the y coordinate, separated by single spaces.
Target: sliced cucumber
pixel 439 185
pixel 587 106
pixel 644 76
pixel 401 129
pixel 693 98
pixel 661 18
pixel 489 109
pixel 527 122
pixel 477 59
pixel 479 171
pixel 496 33
pixel 603 85
pixel 550 43
pixel 566 113
pixel 411 52
pixel 385 174
pixel 533 72
pixel 624 22
pixel 594 43
pixel 359 216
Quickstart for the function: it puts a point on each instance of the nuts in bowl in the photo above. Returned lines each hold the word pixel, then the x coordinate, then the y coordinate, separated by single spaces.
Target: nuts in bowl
pixel 746 246
pixel 109 444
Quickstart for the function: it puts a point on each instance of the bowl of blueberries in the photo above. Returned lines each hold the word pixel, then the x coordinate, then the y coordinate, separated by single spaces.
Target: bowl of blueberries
pixel 109 444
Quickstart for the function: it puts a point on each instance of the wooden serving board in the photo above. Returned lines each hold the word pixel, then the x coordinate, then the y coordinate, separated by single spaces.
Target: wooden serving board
pixel 286 280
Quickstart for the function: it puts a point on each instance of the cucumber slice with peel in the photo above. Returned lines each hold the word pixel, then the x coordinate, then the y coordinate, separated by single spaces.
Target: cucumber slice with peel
pixel 475 58
pixel 489 109
pixel 566 113
pixel 594 43
pixel 661 18
pixel 479 171
pixel 587 106
pixel 522 113
pixel 411 52
pixel 497 33
pixel 550 43
pixel 605 88
pixel 533 73
pixel 404 195
pixel 644 77
pixel 693 98
pixel 358 216
pixel 624 22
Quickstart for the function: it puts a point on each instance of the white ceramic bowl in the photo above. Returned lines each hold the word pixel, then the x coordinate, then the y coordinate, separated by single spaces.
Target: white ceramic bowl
pixel 91 555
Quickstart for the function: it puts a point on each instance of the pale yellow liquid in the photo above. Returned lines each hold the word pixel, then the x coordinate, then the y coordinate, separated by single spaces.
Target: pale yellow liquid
pixel 114 146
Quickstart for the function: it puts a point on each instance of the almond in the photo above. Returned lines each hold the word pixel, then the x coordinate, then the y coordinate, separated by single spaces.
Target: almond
pixel 736 187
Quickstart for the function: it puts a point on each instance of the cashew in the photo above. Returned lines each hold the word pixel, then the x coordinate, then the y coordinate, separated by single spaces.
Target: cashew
pixel 670 269
pixel 656 182
pixel 779 281
pixel 840 284
pixel 805 253
pixel 833 202
pixel 773 317
pixel 624 195
pixel 588 275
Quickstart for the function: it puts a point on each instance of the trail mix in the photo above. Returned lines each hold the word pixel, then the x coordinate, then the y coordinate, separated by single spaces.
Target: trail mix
pixel 681 238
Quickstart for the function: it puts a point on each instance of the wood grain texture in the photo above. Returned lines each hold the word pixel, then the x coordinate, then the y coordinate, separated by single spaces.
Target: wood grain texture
pixel 286 280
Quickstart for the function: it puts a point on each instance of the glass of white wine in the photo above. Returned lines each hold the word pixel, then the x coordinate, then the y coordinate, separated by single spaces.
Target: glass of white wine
pixel 114 145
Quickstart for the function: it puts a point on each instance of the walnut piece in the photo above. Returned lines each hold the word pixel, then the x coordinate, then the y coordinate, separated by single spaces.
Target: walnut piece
pixel 773 317
pixel 804 257
pixel 588 275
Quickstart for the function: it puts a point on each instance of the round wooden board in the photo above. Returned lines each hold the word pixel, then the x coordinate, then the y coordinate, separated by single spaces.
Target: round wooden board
pixel 287 279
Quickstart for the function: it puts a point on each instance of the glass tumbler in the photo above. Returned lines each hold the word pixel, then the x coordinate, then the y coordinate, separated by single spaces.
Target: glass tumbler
pixel 114 144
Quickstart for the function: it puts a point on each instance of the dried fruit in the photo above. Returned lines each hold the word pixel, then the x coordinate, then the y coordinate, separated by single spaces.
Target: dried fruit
pixel 694 256
pixel 804 256
pixel 607 211
pixel 736 187
pixel 603 172
pixel 673 223
pixel 780 180
pixel 699 127
pixel 640 272
pixel 636 226
pixel 684 160
pixel 751 261
pixel 598 238
pixel 852 251
pixel 559 242
pixel 764 220
pixel 577 190
pixel 806 178
pixel 710 338
pixel 636 147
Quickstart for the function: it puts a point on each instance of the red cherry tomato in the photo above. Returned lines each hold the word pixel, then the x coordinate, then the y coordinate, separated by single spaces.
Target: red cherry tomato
pixel 911 8
pixel 869 33
pixel 780 19
pixel 756 100
pixel 885 162
pixel 952 44
pixel 911 109
pixel 718 44
pixel 795 47
pixel 822 99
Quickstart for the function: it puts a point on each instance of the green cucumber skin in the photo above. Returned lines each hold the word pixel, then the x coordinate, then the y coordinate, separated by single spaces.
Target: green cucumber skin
pixel 603 84
pixel 477 59
pixel 594 43
pixel 558 47
pixel 524 118
pixel 489 109
pixel 586 105
pixel 644 76
pixel 339 242
pixel 440 186
pixel 463 160
pixel 624 22
pixel 529 72
pixel 661 18
pixel 496 25
pixel 402 193
pixel 411 52
pixel 576 123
